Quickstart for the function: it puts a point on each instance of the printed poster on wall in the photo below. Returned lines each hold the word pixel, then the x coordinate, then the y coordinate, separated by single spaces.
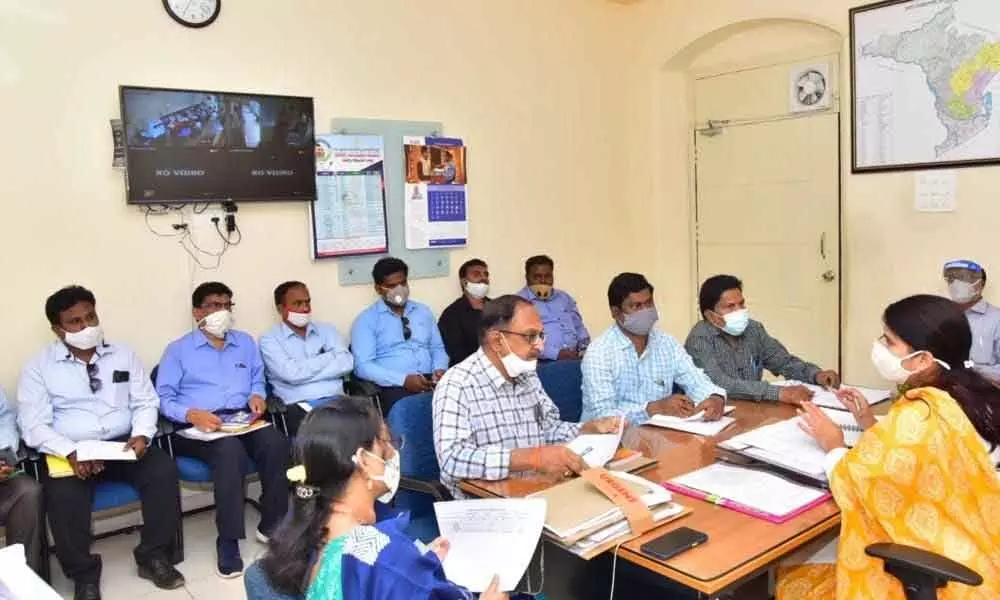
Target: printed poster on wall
pixel 348 217
pixel 436 205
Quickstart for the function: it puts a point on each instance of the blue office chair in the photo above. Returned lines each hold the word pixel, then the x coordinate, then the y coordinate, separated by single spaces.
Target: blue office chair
pixel 420 486
pixel 111 498
pixel 563 382
pixel 197 473
pixel 258 586
pixel 922 573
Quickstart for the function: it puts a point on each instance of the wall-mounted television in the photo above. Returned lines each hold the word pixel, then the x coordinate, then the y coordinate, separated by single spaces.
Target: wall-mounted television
pixel 207 146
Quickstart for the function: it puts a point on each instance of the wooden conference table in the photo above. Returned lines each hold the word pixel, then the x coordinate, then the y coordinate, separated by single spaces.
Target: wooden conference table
pixel 740 546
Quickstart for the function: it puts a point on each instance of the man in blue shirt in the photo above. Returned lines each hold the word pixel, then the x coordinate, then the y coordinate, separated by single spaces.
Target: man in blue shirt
pixel 395 341
pixel 213 370
pixel 306 361
pixel 566 337
pixel 81 388
pixel 20 495
pixel 631 368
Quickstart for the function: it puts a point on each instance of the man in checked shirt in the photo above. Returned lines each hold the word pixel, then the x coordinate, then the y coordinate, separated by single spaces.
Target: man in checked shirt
pixel 491 415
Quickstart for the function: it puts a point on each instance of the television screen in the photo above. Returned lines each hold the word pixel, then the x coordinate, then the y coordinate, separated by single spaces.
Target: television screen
pixel 199 146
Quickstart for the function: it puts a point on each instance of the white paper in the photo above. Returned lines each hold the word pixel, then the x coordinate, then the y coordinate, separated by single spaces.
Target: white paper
pixel 785 444
pixel 935 191
pixel 598 449
pixel 490 538
pixel 305 406
pixel 695 424
pixel 822 397
pixel 751 488
pixel 98 450
pixel 622 529
pixel 18 581
pixel 193 433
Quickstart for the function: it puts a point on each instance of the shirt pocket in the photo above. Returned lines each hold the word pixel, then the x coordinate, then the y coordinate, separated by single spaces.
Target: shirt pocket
pixel 119 396
pixel 420 331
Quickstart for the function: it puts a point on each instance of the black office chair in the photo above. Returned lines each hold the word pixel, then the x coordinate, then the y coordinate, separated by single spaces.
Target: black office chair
pixel 922 573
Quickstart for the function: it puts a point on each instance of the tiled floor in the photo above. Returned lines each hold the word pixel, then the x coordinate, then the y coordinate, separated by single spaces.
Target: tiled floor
pixel 120 582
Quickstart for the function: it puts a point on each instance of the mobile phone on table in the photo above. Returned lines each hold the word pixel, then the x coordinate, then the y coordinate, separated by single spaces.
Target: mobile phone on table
pixel 673 543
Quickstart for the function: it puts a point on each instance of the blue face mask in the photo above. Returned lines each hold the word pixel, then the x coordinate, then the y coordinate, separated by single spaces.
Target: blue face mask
pixel 736 322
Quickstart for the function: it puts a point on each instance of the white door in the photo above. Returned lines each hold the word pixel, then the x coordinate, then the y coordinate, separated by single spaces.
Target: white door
pixel 768 212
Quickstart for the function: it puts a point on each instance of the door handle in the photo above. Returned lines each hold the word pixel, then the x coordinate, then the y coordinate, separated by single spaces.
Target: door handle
pixel 829 276
pixel 822 245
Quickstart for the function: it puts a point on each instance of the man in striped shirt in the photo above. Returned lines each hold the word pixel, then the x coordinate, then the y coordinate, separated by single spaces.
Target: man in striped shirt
pixel 734 350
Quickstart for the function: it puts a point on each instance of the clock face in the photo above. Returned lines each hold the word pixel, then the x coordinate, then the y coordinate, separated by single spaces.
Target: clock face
pixel 193 13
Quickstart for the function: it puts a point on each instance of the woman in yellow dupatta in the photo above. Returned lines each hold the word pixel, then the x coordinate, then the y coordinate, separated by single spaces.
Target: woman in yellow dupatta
pixel 922 476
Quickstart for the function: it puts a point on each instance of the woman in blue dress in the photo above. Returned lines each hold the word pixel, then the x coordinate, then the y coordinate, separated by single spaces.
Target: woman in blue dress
pixel 329 547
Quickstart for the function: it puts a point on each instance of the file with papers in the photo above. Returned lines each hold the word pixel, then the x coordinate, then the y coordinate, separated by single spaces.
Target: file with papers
pixel 749 491
pixel 696 423
pixel 822 397
pixel 784 444
pixel 488 538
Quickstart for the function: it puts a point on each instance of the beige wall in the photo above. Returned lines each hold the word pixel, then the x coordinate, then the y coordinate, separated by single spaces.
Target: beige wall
pixel 535 88
pixel 889 250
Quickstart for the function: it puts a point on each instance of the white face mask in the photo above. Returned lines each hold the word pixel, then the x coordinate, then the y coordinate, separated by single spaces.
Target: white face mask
pixel 299 319
pixel 477 290
pixel 962 291
pixel 890 366
pixel 390 474
pixel 514 364
pixel 85 339
pixel 218 323
pixel 736 322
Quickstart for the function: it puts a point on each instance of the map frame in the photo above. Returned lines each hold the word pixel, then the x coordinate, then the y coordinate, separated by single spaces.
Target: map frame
pixel 854 12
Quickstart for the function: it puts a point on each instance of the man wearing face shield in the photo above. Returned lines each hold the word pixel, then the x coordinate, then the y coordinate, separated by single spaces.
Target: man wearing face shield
pixel 631 368
pixel 395 341
pixel 566 337
pixel 735 350
pixel 966 280
pixel 491 415
pixel 216 370
pixel 82 388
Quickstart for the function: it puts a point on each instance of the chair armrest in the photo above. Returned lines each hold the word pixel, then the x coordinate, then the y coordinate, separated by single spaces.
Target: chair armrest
pixel 164 426
pixel 27 454
pixel 431 488
pixel 361 387
pixel 276 406
pixel 906 562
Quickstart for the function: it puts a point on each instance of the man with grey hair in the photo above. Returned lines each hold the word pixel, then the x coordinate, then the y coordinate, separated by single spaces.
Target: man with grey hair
pixel 491 415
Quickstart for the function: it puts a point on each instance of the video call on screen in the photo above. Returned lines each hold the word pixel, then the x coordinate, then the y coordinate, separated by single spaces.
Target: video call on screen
pixel 185 145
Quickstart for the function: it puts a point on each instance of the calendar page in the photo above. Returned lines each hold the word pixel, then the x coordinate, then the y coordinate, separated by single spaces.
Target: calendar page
pixel 436 202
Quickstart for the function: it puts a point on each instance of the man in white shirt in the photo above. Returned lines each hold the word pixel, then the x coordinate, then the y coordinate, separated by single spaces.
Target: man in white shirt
pixel 966 280
pixel 305 361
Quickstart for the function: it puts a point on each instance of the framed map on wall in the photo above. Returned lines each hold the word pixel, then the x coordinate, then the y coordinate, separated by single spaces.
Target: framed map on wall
pixel 925 75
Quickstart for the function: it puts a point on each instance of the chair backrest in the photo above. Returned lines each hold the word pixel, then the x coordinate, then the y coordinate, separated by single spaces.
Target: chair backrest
pixel 412 419
pixel 258 586
pixel 563 382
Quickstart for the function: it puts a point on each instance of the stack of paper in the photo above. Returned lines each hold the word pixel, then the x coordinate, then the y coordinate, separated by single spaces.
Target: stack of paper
pixel 822 397
pixel 489 538
pixel 585 521
pixel 98 450
pixel 696 423
pixel 193 433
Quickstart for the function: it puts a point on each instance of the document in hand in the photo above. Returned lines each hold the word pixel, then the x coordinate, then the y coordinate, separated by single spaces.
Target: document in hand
pixel 193 433
pixel 696 423
pixel 597 450
pixel 98 450
pixel 490 538
pixel 18 581
pixel 238 421
pixel 822 397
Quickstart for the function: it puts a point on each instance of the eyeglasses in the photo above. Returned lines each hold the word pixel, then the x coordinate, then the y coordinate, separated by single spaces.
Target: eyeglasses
pixel 531 338
pixel 407 332
pixel 95 383
pixel 218 305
